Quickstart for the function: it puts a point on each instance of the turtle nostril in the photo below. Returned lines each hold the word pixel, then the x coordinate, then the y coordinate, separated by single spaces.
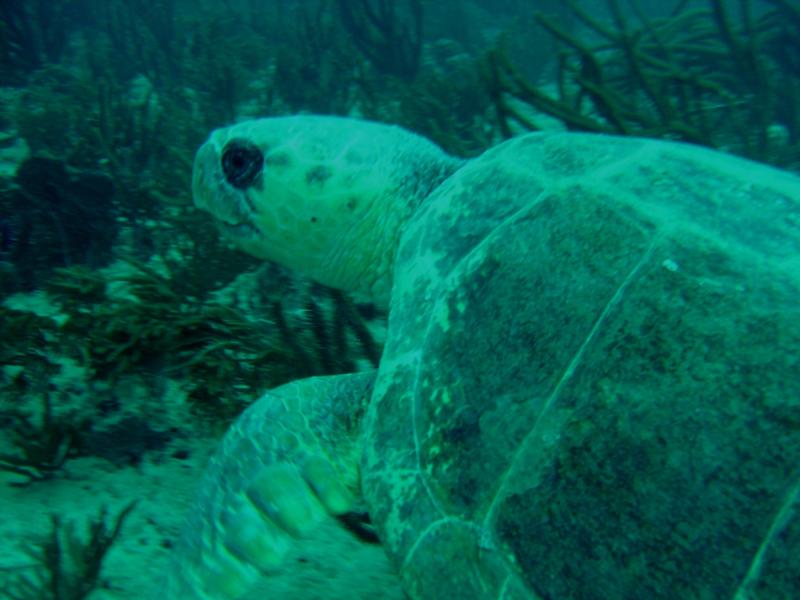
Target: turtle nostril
pixel 242 161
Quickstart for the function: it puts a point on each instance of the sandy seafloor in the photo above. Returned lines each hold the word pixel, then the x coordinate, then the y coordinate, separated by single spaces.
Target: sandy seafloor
pixel 332 564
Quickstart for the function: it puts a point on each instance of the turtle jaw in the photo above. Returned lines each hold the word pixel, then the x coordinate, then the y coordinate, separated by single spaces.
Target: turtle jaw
pixel 230 208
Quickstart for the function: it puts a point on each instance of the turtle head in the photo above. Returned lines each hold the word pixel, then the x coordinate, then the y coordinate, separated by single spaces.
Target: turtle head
pixel 327 196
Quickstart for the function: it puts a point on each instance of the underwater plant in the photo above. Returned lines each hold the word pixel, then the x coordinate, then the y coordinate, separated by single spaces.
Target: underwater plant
pixel 316 68
pixel 144 38
pixel 388 33
pixel 67 566
pixel 153 328
pixel 39 433
pixel 40 449
pixel 32 34
pixel 701 75
pixel 56 217
pixel 446 102
pixel 223 355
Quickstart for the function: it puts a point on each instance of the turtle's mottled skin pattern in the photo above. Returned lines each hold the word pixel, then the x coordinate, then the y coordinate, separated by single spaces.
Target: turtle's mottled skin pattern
pixel 308 417
pixel 591 381
pixel 591 387
pixel 329 199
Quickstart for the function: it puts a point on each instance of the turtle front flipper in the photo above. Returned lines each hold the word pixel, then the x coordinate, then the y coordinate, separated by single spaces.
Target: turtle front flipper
pixel 288 462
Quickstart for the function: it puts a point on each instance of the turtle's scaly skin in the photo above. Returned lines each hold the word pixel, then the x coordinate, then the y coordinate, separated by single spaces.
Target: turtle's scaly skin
pixel 591 382
pixel 227 544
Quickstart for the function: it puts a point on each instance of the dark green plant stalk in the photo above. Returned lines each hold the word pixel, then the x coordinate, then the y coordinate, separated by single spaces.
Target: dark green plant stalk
pixel 41 449
pixel 695 76
pixel 390 36
pixel 66 566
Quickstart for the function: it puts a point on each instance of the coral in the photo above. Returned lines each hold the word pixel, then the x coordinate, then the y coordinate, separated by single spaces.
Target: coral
pixel 124 442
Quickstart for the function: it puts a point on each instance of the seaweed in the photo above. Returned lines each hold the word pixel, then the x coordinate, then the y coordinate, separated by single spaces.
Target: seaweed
pixel 143 36
pixel 51 114
pixel 148 325
pixel 153 328
pixel 700 75
pixel 33 33
pixel 324 345
pixel 40 449
pixel 193 258
pixel 25 336
pixel 144 140
pixel 316 69
pixel 38 439
pixel 94 126
pixel 446 103
pixel 67 566
pixel 60 217
pixel 388 33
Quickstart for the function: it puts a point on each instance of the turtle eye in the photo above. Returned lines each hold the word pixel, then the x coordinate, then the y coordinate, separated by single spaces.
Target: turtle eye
pixel 242 161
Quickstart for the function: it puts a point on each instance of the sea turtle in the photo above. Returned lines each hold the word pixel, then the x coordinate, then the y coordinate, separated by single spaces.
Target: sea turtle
pixel 590 386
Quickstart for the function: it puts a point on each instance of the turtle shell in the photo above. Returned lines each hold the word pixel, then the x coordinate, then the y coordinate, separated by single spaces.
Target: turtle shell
pixel 591 383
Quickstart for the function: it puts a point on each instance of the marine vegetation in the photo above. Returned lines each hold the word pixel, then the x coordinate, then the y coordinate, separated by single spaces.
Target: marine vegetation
pixel 38 441
pixel 113 330
pixel 310 67
pixel 32 34
pixel 387 32
pixel 140 322
pixel 224 357
pixel 446 102
pixel 67 565
pixel 56 216
pixel 39 449
pixel 712 76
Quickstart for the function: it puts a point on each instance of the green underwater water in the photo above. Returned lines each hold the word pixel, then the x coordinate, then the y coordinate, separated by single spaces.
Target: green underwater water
pixel 134 335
